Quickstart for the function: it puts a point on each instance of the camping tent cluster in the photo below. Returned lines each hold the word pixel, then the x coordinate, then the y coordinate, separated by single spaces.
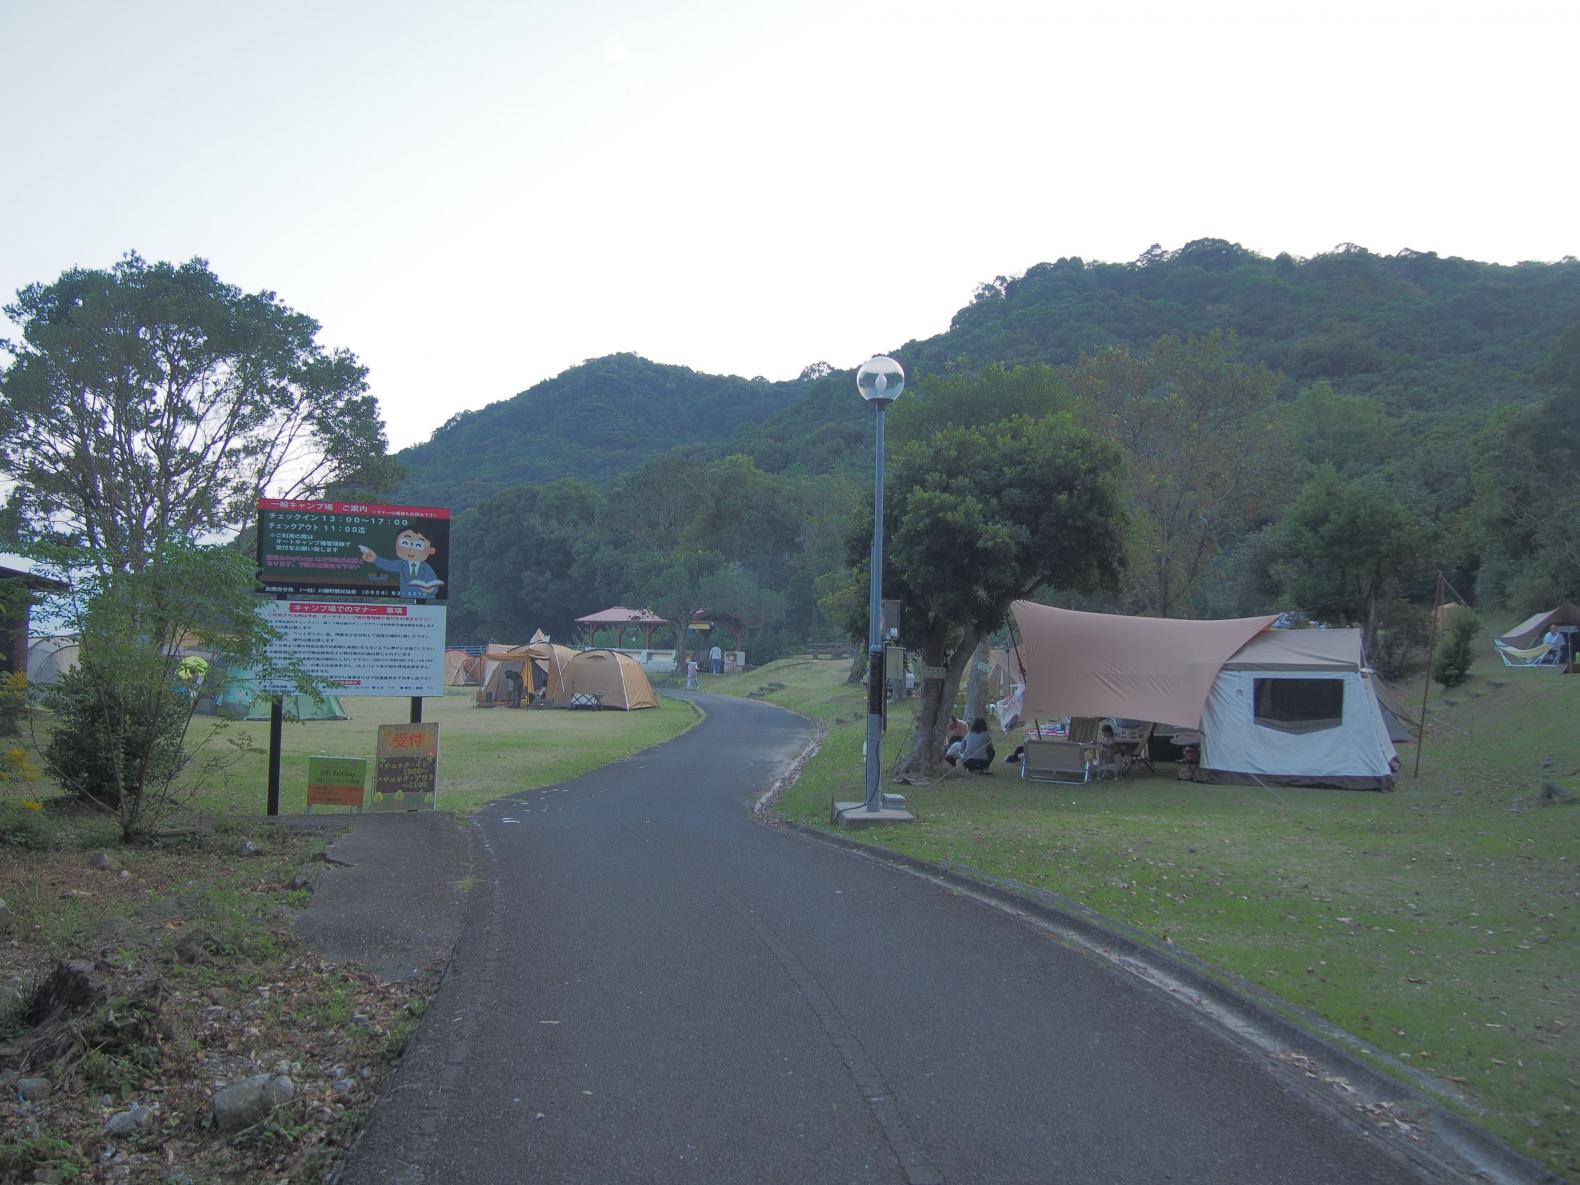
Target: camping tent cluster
pixel 1296 707
pixel 557 675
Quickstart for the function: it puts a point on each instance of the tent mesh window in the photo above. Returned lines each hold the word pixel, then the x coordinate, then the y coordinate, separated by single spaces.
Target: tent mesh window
pixel 1300 705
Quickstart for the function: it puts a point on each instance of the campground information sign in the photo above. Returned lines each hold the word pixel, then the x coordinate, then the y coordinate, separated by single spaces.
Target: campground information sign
pixel 336 781
pixel 311 548
pixel 359 649
pixel 406 776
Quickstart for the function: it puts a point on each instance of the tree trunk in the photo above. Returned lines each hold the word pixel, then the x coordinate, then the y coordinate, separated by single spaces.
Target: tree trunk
pixel 925 757
pixel 976 682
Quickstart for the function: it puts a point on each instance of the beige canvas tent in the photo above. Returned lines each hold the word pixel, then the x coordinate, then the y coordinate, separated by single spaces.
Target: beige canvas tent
pixel 1289 706
pixel 618 680
pixel 462 669
pixel 535 668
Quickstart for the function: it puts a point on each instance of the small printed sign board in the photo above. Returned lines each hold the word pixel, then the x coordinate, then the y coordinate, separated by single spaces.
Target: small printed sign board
pixel 406 775
pixel 894 663
pixel 336 781
pixel 312 548
pixel 384 649
pixel 934 672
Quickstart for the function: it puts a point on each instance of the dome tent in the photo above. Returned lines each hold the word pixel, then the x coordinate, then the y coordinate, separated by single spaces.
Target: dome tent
pixel 617 679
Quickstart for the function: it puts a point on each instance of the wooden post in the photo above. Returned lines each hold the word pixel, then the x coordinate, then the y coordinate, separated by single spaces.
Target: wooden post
pixel 276 735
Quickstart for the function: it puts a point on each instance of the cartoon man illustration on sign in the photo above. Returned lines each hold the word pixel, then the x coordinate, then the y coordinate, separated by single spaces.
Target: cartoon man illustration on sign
pixel 417 577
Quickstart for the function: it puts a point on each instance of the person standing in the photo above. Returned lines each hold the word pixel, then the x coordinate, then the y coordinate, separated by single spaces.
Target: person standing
pixel 717 657
pixel 691 673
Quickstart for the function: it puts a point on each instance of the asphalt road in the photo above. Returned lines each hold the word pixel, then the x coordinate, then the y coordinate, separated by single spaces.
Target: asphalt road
pixel 653 987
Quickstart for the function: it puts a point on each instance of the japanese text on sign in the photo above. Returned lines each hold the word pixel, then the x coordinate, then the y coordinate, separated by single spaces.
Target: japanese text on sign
pixel 386 650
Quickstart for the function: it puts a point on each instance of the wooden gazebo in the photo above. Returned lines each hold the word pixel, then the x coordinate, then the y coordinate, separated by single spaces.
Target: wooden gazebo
pixel 619 618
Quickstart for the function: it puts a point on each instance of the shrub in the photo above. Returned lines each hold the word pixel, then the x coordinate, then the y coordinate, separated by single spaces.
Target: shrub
pixel 1451 662
pixel 13 701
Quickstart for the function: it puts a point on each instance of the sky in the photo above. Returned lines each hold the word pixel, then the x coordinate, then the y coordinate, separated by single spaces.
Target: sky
pixel 473 197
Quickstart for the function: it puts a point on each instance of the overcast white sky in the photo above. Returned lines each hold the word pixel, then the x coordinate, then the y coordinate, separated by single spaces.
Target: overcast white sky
pixel 474 196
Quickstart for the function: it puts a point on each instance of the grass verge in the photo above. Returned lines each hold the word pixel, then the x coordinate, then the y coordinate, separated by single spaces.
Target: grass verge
pixel 1437 924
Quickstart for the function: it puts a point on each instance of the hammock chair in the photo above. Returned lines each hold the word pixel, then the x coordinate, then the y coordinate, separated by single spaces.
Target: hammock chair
pixel 1534 656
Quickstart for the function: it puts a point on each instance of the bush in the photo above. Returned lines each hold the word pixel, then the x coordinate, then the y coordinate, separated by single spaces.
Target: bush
pixel 113 737
pixel 1403 631
pixel 1452 660
pixel 23 825
pixel 13 701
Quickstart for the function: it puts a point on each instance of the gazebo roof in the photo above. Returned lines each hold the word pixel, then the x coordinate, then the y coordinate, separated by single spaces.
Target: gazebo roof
pixel 620 615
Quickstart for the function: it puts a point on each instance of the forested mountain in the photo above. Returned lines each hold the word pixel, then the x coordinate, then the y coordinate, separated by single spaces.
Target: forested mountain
pixel 1322 435
pixel 1413 329
pixel 1416 332
pixel 596 420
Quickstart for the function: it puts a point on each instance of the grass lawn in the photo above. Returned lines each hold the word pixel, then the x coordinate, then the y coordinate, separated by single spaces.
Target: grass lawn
pixel 1438 923
pixel 484 754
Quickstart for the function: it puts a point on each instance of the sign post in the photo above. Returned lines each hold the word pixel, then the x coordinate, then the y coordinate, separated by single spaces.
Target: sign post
pixel 394 556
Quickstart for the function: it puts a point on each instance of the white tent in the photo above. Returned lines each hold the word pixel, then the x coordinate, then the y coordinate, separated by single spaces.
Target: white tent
pixel 50 657
pixel 1298 707
pixel 1290 706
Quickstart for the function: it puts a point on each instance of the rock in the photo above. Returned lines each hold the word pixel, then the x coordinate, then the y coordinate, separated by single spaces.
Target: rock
pixel 1547 763
pixel 7 920
pixel 301 881
pixel 130 1121
pixel 248 848
pixel 244 1103
pixel 343 1086
pixel 102 862
pixel 1552 792
pixel 359 1018
pixel 32 1090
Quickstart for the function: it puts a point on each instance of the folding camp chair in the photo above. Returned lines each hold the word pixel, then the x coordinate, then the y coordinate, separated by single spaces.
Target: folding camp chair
pixel 1140 753
pixel 1068 762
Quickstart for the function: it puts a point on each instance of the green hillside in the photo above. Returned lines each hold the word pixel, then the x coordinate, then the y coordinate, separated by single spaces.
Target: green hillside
pixel 592 422
pixel 1413 329
pixel 1425 336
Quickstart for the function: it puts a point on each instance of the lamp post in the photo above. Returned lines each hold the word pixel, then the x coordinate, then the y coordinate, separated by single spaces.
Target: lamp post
pixel 880 381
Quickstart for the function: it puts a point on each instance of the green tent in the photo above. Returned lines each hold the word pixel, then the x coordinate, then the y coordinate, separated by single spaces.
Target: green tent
pixel 232 692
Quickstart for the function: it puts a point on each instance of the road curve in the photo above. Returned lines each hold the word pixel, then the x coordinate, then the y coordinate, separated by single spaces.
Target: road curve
pixel 653 987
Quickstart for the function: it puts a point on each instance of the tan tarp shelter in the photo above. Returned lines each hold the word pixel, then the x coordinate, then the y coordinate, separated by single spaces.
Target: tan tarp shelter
pixel 1529 632
pixel 1139 668
pixel 1288 706
pixel 617 679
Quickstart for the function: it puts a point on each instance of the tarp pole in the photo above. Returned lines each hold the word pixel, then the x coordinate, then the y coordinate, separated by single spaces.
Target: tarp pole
pixel 1426 681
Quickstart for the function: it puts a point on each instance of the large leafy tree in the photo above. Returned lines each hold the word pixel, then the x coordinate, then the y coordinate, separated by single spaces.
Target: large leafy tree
pixel 974 519
pixel 1529 500
pixel 690 585
pixel 154 401
pixel 1204 459
pixel 1344 548
pixel 532 557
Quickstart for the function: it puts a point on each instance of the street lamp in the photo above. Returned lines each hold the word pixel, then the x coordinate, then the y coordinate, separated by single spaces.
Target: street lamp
pixel 880 381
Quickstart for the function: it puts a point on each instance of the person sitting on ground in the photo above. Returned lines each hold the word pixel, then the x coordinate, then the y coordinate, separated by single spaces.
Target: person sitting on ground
pixel 976 751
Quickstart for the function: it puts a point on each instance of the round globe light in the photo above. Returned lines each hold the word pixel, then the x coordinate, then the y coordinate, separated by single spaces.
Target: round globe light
pixel 880 380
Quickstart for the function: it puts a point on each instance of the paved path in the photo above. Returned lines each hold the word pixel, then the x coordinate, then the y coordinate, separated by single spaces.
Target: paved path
pixel 652 987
